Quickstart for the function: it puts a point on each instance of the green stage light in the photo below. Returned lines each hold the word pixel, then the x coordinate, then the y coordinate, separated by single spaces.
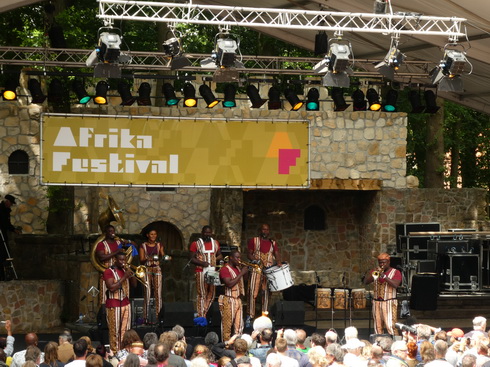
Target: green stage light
pixel 169 94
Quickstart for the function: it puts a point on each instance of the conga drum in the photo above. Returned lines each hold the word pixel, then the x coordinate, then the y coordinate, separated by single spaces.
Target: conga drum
pixel 359 298
pixel 340 297
pixel 323 298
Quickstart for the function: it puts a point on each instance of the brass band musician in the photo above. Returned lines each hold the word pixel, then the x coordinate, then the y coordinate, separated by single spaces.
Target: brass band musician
pixel 385 305
pixel 151 252
pixel 230 304
pixel 204 254
pixel 264 250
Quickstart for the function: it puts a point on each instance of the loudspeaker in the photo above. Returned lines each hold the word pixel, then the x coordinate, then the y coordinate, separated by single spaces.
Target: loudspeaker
pixel 181 313
pixel 137 305
pixel 424 292
pixel 288 313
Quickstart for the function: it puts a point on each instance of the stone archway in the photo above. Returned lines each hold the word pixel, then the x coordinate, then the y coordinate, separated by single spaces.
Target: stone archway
pixel 168 234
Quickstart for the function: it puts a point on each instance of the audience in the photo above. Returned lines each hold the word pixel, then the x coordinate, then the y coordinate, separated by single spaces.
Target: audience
pixel 51 356
pixel 19 358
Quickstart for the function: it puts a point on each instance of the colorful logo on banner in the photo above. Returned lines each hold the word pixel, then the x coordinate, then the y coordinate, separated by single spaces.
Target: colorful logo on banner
pixel 141 151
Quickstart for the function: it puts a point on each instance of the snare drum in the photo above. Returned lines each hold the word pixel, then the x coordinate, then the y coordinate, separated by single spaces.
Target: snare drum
pixel 340 299
pixel 359 298
pixel 323 298
pixel 211 276
pixel 278 277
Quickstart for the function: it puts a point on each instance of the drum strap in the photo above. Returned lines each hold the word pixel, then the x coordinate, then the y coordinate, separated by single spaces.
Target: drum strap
pixel 232 292
pixel 268 261
pixel 208 254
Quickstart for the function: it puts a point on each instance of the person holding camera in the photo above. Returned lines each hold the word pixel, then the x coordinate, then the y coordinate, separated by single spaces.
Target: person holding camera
pixel 385 305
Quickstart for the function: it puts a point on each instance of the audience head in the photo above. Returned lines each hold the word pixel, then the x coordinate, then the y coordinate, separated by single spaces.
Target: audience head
pixel 100 350
pixel 3 356
pixel 151 355
pixel 51 352
pixel 354 346
pixel 335 353
pixel 273 360
pixel 33 353
pixel 180 331
pixel 290 336
pixel 412 349
pixel 137 348
pixel 350 333
pixel 169 338
pixel 80 348
pixel 479 323
pixel 377 352
pixel 441 335
pixel 399 349
pixel 211 339
pixel 423 332
pixel 281 345
pixel 161 353
pixel 331 337
pixel 440 348
pixel 31 339
pixel 149 339
pixel 301 336
pixel 90 349
pixel 203 352
pixel 223 361
pixel 316 355
pixel 129 337
pixel 469 360
pixel 386 343
pixel 132 360
pixel 240 346
pixel 318 340
pixel 427 351
pixel 266 335
pixel 94 360
pixel 199 362
pixel 179 348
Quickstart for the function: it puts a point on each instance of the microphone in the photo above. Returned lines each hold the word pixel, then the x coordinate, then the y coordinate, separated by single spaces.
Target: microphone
pixel 317 278
pixel 343 278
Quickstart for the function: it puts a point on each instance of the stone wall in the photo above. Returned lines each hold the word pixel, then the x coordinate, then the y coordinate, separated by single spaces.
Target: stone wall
pixel 33 306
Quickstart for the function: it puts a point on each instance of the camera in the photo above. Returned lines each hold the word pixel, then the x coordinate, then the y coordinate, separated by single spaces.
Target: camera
pixel 107 348
pixel 404 327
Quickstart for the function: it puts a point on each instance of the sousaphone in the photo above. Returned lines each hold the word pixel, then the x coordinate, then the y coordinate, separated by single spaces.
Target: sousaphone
pixel 111 214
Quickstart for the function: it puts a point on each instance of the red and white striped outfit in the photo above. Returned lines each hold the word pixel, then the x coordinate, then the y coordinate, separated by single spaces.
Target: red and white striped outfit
pixel 153 278
pixel 385 304
pixel 230 304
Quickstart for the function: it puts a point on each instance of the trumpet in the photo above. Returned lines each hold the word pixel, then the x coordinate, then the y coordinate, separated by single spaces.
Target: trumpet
pixel 376 273
pixel 251 265
pixel 139 272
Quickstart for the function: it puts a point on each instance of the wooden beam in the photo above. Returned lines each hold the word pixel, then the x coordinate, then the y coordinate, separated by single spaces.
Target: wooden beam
pixel 342 184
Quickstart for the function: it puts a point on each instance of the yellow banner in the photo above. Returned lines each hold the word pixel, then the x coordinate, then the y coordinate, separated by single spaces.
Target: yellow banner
pixel 142 151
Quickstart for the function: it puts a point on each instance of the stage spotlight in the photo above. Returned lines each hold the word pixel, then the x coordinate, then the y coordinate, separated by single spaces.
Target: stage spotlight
pixel 448 74
pixel 430 102
pixel 373 99
pixel 312 100
pixel 55 92
pixel 358 101
pixel 172 48
pixel 254 96
pixel 336 66
pixel 169 94
pixel 229 92
pixel 107 55
pixel 144 94
pixel 124 91
pixel 391 98
pixel 37 94
pixel 379 7
pixel 101 92
pixel 338 100
pixel 293 100
pixel 189 95
pixel 9 93
pixel 414 98
pixel 208 96
pixel 391 63
pixel 224 59
pixel 274 99
pixel 80 92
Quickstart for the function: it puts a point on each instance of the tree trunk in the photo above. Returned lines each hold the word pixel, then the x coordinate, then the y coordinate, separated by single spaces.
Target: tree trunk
pixel 434 170
pixel 61 208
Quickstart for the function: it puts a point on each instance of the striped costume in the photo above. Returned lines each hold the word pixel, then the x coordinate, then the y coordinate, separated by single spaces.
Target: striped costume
pixel 230 304
pixel 106 248
pixel 205 251
pixel 118 309
pixel 153 279
pixel 385 304
pixel 257 281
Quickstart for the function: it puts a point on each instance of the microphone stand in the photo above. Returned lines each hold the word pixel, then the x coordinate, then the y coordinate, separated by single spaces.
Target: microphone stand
pixel 346 295
pixel 8 257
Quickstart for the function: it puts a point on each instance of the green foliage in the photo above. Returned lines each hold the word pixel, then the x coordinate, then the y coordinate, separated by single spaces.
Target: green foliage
pixel 23 27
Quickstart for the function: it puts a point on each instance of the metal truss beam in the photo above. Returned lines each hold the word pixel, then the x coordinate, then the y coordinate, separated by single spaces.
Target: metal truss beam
pixel 48 58
pixel 399 23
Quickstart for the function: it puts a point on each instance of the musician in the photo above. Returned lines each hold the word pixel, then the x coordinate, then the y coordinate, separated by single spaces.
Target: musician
pixel 151 252
pixel 386 279
pixel 230 304
pixel 204 254
pixel 106 251
pixel 264 250
pixel 117 279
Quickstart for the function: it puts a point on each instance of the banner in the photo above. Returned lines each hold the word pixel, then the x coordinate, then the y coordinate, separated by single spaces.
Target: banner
pixel 156 151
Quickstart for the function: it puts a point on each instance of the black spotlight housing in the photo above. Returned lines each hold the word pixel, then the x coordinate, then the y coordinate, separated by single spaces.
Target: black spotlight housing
pixel 144 94
pixel 189 95
pixel 390 100
pixel 124 91
pixel 339 100
pixel 169 94
pixel 208 96
pixel 274 99
pixel 358 101
pixel 229 93
pixel 80 92
pixel 101 92
pixel 321 43
pixel 373 99
pixel 430 102
pixel 414 98
pixel 293 100
pixel 312 100
pixel 37 94
pixel 254 96
pixel 55 92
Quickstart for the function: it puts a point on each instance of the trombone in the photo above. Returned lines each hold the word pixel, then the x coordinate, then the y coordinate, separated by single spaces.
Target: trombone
pixel 139 272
